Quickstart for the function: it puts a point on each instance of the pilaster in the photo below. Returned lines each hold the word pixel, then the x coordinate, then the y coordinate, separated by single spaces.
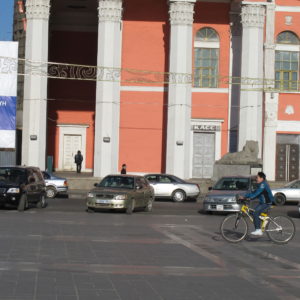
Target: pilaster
pixel 235 74
pixel 271 99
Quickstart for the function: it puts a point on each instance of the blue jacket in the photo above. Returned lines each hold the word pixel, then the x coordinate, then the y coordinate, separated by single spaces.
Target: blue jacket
pixel 263 193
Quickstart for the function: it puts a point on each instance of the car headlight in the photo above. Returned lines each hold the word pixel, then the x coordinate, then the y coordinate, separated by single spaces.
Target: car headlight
pixel 232 199
pixel 209 200
pixel 90 195
pixel 13 191
pixel 120 197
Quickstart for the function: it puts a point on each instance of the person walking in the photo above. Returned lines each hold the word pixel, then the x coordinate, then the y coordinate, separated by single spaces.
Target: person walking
pixel 123 170
pixel 78 161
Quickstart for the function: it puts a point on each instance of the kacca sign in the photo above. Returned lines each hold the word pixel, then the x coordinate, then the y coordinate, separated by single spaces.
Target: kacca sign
pixel 8 93
pixel 206 127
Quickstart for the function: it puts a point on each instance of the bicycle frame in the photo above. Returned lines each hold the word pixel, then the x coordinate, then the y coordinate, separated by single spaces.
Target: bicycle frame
pixel 245 209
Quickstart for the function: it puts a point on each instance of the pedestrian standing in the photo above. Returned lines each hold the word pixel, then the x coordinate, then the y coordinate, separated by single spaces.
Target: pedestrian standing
pixel 123 170
pixel 78 161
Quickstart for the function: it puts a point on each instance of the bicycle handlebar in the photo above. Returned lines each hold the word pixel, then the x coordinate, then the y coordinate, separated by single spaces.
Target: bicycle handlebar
pixel 243 200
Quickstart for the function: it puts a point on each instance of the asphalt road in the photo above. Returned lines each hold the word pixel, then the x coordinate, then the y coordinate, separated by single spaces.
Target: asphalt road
pixel 175 252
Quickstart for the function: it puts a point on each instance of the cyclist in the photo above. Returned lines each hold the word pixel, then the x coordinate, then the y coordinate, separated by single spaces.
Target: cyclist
pixel 264 194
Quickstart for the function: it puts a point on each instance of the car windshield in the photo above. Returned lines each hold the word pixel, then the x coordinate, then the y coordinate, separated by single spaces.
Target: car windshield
pixel 12 176
pixel 118 182
pixel 293 184
pixel 232 184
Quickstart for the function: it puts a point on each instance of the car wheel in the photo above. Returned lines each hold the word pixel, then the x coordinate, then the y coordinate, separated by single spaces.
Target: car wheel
pixel 130 207
pixel 89 210
pixel 178 196
pixel 50 193
pixel 279 199
pixel 22 203
pixel 149 206
pixel 42 203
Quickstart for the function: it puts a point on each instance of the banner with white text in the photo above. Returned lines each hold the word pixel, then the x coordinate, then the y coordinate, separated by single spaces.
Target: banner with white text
pixel 8 97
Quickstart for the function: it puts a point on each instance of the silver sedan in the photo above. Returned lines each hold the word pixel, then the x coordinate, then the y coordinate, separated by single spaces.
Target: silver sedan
pixel 170 186
pixel 289 193
pixel 55 185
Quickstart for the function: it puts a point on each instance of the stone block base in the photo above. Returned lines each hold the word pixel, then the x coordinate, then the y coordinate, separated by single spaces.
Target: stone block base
pixel 234 170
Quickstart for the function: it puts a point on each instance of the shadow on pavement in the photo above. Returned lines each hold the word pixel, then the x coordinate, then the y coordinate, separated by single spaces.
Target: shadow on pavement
pixel 294 213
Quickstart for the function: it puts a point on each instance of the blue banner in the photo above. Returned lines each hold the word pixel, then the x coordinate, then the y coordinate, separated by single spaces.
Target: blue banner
pixel 8 113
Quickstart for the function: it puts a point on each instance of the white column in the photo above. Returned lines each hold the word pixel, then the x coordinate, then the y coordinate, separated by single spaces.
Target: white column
pixel 180 88
pixel 271 99
pixel 251 99
pixel 106 152
pixel 35 85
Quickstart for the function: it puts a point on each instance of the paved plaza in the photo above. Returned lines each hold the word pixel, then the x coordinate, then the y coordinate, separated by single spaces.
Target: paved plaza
pixel 173 253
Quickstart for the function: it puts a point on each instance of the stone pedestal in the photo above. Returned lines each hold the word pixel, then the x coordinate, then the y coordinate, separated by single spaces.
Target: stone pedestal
pixel 235 170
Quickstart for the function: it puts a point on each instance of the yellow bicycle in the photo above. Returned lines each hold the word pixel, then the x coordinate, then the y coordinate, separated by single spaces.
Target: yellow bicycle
pixel 234 228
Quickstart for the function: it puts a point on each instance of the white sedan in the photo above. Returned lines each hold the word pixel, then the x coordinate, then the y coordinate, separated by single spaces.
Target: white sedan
pixel 170 186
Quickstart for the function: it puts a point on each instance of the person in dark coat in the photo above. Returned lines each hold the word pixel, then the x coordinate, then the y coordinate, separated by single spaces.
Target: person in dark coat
pixel 78 161
pixel 123 170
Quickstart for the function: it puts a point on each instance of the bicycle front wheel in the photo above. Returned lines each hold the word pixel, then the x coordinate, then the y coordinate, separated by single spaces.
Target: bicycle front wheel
pixel 280 229
pixel 234 228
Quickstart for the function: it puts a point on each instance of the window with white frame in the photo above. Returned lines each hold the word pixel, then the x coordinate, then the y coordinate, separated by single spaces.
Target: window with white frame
pixel 206 58
pixel 287 61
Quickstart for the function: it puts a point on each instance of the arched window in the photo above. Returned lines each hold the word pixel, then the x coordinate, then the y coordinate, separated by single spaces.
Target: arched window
pixel 287 37
pixel 287 61
pixel 206 55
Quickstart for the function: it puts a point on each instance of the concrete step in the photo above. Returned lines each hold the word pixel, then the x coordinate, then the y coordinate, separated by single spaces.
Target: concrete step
pixel 81 181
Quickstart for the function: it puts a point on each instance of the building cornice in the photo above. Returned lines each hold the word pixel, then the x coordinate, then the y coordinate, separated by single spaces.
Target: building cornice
pixel 38 9
pixel 292 9
pixel 110 11
pixel 181 12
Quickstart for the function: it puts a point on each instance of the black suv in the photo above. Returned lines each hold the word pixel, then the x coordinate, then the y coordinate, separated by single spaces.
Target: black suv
pixel 21 186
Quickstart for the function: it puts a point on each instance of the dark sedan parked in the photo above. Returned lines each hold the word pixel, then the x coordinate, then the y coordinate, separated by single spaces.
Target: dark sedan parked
pixel 222 196
pixel 124 192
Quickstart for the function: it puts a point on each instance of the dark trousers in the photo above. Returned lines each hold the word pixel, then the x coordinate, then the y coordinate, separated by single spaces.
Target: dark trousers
pixel 78 168
pixel 258 210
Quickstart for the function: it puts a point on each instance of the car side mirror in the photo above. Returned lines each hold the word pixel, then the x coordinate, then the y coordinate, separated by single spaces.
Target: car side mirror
pixel 138 187
pixel 95 184
pixel 210 188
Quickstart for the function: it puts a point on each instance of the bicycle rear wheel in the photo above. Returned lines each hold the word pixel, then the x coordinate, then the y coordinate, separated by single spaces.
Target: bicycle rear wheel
pixel 234 228
pixel 280 229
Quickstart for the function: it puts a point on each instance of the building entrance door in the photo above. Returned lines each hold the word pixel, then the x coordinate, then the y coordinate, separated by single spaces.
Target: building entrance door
pixel 287 162
pixel 72 143
pixel 203 154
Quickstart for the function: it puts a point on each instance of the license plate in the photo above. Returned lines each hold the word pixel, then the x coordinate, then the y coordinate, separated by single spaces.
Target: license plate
pixel 102 201
pixel 220 207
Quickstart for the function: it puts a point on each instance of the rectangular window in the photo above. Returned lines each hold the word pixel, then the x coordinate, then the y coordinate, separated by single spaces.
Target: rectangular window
pixel 286 70
pixel 206 69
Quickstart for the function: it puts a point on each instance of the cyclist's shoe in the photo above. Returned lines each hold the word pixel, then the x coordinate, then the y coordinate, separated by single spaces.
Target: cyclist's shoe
pixel 257 232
